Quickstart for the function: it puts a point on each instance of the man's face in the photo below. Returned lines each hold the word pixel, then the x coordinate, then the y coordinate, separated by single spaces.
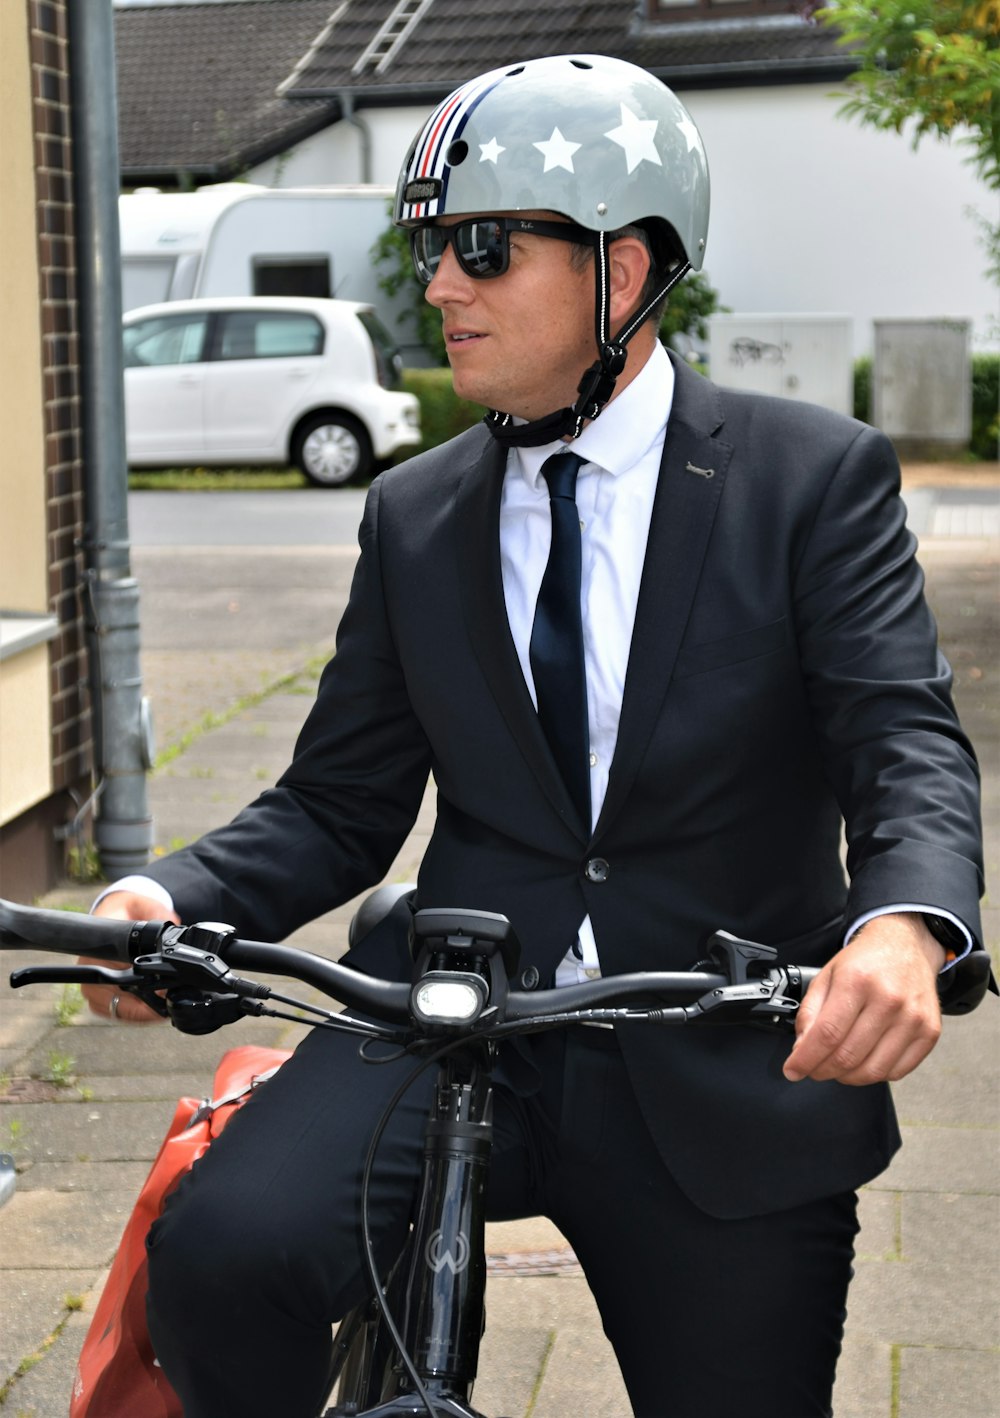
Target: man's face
pixel 518 342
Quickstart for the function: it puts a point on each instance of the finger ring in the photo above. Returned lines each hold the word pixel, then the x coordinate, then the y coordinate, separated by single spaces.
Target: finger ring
pixel 113 1011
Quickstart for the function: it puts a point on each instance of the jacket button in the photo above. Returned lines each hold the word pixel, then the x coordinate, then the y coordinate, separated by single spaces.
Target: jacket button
pixel 597 869
pixel 530 978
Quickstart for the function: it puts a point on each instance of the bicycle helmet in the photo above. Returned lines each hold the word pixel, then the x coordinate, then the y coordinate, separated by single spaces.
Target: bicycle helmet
pixel 596 140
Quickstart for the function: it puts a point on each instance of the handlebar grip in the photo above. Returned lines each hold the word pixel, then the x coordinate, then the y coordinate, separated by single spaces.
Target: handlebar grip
pixel 71 933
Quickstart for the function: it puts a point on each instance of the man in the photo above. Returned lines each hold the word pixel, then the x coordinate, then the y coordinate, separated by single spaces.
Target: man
pixel 755 662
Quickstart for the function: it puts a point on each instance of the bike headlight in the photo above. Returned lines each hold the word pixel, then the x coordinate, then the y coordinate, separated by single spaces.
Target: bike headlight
pixel 447 997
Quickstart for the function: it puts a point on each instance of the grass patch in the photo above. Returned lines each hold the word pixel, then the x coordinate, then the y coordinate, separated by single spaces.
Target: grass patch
pixel 215 479
pixel 69 1003
pixel 216 720
pixel 72 1304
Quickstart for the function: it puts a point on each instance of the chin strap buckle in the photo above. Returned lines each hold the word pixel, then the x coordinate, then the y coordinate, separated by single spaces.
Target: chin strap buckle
pixel 598 382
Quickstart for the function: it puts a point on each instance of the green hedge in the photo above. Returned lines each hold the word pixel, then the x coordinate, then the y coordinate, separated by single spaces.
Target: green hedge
pixel 985 401
pixel 985 406
pixel 443 414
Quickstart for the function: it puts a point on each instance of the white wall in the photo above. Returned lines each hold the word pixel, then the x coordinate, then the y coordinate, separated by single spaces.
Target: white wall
pixel 810 212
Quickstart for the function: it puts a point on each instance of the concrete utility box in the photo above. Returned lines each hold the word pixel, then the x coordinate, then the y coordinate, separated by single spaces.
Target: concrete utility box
pixel 794 356
pixel 922 384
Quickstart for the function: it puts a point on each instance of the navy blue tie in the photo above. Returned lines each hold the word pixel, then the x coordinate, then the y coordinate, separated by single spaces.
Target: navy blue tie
pixel 556 648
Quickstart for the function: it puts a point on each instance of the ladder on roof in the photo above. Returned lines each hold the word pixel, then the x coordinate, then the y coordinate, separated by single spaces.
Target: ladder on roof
pixel 402 18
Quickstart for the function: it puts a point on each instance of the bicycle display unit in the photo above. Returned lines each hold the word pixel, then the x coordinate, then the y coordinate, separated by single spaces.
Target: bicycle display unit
pixel 413 1347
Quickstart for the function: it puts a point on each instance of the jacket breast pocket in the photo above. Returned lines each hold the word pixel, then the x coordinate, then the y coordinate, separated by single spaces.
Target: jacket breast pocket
pixel 732 649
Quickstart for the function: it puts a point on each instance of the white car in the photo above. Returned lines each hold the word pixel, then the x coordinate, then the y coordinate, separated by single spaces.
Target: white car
pixel 264 380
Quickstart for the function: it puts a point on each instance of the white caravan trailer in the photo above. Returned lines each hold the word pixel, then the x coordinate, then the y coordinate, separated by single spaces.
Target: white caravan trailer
pixel 239 239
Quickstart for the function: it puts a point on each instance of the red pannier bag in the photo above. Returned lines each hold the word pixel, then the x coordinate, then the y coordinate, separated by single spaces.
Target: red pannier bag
pixel 117 1375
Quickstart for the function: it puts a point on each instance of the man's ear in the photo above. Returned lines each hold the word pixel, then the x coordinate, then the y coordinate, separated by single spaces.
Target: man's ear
pixel 628 267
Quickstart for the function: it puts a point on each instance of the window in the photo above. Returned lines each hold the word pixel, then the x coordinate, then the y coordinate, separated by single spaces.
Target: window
pixel 164 339
pixel 305 275
pixel 270 334
pixel 388 360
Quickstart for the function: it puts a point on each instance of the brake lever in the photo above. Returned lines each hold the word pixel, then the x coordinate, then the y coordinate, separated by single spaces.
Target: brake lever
pixel 122 981
pixel 201 993
pixel 768 1001
pixel 72 975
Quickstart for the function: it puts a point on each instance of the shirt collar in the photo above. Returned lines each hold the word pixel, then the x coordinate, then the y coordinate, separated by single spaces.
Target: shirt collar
pixel 625 431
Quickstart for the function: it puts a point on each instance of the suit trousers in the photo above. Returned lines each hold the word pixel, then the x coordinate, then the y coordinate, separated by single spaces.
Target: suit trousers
pixel 258 1251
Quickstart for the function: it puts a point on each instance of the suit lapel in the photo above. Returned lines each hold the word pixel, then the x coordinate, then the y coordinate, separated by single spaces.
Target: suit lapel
pixel 692 474
pixel 477 522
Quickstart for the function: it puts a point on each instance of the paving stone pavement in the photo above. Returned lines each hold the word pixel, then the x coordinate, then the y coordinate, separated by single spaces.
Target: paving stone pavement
pixel 923 1334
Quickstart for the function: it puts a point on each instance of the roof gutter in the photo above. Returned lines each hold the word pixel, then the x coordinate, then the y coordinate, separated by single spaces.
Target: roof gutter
pixel 123 827
pixel 346 98
pixel 827 66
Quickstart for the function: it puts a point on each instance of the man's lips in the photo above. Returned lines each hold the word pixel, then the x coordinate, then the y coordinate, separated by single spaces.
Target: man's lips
pixel 462 337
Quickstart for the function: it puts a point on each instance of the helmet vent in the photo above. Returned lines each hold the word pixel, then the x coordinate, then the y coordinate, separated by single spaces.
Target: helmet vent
pixel 513 73
pixel 581 64
pixel 457 153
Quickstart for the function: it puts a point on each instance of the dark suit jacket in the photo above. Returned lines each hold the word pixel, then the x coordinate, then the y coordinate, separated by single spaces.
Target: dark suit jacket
pixel 783 675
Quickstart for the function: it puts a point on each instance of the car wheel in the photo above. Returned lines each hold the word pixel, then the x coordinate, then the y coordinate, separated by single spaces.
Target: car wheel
pixel 332 449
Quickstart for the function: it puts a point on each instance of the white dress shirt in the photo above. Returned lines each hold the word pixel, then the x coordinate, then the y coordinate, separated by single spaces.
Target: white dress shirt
pixel 614 495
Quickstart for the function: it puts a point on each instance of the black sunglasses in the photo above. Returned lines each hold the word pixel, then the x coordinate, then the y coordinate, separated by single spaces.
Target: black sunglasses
pixel 482 244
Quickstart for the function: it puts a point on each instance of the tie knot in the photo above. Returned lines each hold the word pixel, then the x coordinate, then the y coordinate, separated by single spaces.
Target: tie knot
pixel 560 472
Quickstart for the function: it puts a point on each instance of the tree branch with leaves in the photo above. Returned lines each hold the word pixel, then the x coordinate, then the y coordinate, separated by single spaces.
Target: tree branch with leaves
pixel 934 64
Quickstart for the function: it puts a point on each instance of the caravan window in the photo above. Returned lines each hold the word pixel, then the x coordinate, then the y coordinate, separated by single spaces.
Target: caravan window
pixel 165 339
pixel 282 275
pixel 267 334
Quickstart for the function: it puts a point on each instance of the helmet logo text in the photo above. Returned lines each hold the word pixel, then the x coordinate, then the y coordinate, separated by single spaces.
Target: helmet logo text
pixel 423 191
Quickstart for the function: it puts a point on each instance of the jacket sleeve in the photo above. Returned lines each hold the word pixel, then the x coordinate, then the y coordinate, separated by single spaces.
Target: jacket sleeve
pixel 904 773
pixel 338 815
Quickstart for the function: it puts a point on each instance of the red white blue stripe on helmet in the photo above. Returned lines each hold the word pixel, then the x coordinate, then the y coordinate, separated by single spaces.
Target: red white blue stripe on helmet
pixel 443 128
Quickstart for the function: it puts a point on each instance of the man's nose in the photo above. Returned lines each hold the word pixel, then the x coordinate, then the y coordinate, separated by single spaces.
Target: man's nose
pixel 449 282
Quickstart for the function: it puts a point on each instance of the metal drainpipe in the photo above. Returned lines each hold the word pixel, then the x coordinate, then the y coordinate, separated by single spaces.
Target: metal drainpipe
pixel 123 827
pixel 347 109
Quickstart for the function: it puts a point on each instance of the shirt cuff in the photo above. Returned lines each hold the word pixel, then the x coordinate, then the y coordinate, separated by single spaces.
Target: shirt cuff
pixel 142 886
pixel 921 910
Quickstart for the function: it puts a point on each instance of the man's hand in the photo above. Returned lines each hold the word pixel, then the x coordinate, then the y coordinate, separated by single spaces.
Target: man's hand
pixel 103 1000
pixel 872 1013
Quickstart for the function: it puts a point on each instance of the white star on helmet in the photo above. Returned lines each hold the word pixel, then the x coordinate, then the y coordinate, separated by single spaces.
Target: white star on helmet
pixel 690 133
pixel 490 151
pixel 558 151
pixel 636 135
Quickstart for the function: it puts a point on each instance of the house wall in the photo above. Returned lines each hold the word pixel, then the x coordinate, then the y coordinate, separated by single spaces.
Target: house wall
pixel 25 725
pixel 23 579
pixel 811 213
pixel 45 745
pixel 336 154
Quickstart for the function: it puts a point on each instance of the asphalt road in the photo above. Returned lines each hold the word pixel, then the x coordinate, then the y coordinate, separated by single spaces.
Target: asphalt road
pixel 329 518
pixel 286 518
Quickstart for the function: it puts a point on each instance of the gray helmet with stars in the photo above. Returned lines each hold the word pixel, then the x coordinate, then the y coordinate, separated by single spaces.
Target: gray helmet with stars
pixel 600 141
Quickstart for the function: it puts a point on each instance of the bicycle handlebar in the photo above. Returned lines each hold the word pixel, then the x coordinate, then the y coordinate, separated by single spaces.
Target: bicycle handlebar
pixel 207 953
pixel 70 933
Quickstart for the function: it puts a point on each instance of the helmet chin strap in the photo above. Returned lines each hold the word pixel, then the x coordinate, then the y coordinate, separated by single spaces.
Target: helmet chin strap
pixel 598 382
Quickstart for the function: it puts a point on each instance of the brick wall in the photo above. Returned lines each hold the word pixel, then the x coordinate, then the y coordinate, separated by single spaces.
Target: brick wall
pixel 71 747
